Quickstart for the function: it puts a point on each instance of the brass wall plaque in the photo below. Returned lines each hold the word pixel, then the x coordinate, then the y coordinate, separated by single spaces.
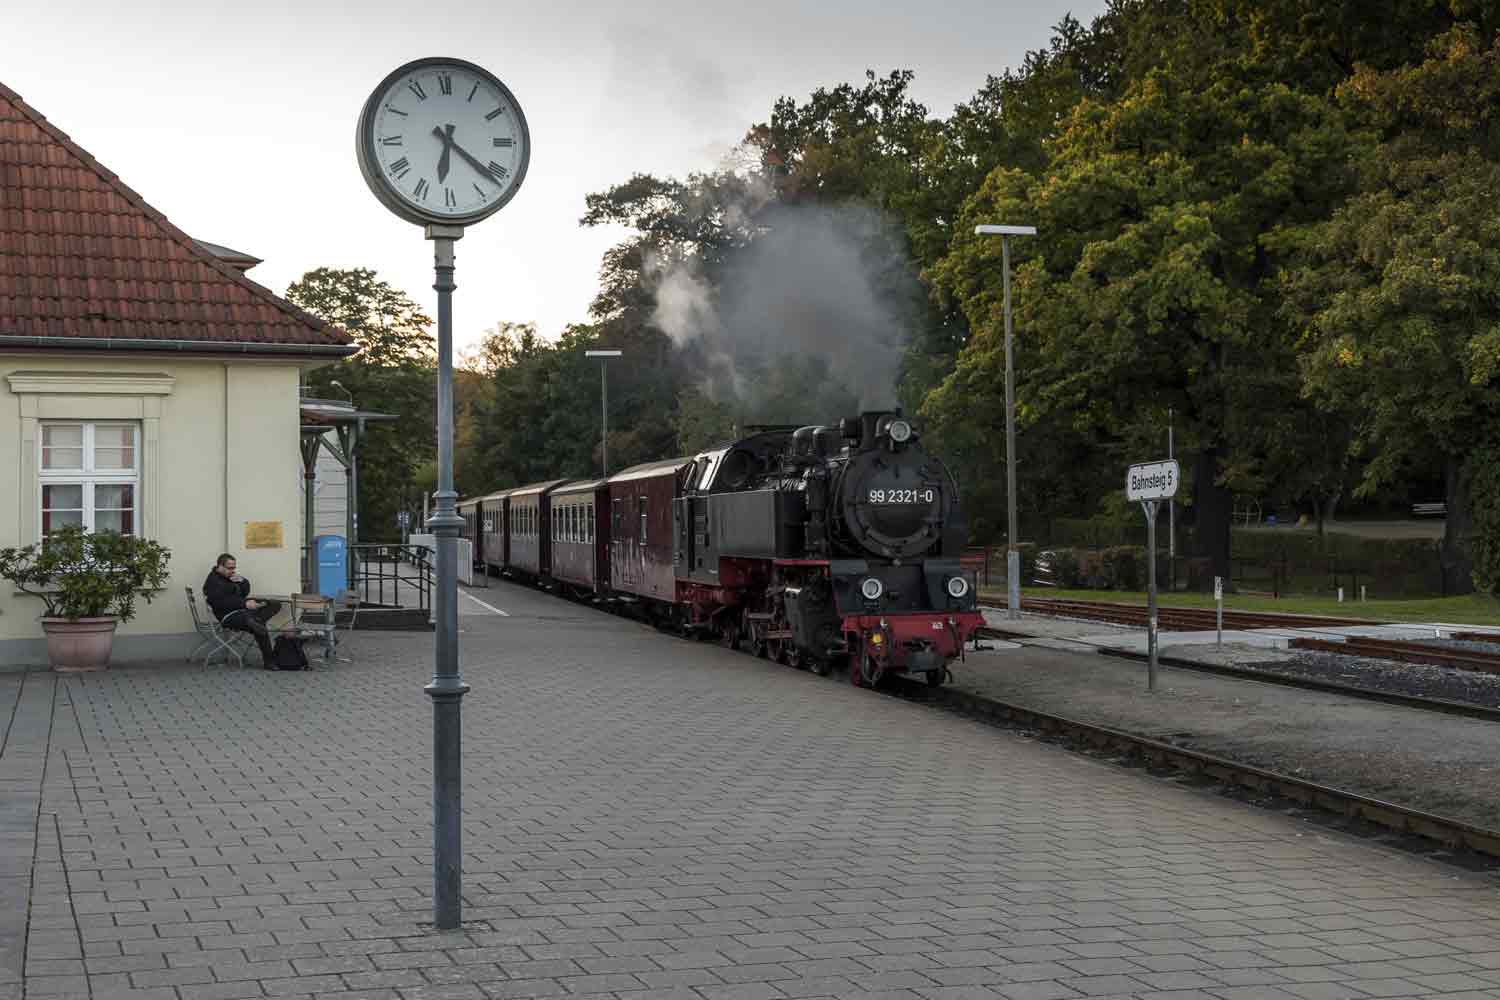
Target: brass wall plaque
pixel 263 535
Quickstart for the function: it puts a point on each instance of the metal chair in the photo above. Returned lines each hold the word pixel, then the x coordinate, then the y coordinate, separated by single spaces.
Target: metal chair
pixel 322 630
pixel 344 614
pixel 214 638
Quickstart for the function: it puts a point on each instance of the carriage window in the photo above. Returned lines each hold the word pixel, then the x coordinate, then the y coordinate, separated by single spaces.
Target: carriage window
pixel 615 516
pixel 573 522
pixel 641 506
pixel 588 530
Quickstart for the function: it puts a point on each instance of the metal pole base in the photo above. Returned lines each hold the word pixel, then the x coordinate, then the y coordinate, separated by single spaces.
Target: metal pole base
pixel 1013 584
pixel 447 800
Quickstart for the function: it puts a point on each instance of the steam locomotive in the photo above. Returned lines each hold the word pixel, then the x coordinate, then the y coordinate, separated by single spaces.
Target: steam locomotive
pixel 818 546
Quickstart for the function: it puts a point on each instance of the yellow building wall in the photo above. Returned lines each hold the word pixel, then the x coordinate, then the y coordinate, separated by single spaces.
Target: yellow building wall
pixel 218 455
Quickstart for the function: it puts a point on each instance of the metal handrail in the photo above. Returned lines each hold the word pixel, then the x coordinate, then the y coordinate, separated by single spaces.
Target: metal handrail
pixel 378 566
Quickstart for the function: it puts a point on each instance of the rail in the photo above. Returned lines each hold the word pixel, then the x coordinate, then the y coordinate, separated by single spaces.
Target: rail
pixel 391 575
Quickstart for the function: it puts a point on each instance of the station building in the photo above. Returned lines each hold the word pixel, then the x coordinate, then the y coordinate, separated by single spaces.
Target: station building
pixel 146 385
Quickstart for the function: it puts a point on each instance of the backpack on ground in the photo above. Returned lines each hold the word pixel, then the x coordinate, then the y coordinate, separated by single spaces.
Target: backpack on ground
pixel 287 653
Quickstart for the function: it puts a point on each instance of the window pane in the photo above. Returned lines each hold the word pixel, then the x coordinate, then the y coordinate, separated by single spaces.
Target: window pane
pixel 62 497
pixel 122 521
pixel 112 497
pixel 114 459
pixel 114 436
pixel 62 436
pixel 54 519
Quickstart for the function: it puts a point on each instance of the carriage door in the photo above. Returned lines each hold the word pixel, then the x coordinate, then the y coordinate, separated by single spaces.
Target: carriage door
pixel 642 536
pixel 682 521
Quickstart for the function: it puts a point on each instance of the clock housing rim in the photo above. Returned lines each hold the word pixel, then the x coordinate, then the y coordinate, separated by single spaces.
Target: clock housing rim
pixel 387 193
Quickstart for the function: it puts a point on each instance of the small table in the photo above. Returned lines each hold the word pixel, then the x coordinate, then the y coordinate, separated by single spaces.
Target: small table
pixel 297 607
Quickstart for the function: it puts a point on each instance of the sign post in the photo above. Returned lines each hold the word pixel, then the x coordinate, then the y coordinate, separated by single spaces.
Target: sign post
pixel 1219 611
pixel 1149 483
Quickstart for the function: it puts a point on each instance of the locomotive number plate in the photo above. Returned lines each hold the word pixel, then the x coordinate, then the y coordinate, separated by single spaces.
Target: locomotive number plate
pixel 903 496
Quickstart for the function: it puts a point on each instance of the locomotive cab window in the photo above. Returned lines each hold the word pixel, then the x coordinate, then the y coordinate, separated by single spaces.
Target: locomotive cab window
pixel 615 516
pixel 641 506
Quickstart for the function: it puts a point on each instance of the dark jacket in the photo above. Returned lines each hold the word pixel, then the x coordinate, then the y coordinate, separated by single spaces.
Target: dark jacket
pixel 224 595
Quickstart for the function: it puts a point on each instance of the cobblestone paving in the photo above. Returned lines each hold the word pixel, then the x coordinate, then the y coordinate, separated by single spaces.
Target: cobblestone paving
pixel 646 817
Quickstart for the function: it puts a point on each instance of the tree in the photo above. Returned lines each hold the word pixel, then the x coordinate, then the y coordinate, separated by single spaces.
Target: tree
pixel 394 372
pixel 1151 283
pixel 1397 296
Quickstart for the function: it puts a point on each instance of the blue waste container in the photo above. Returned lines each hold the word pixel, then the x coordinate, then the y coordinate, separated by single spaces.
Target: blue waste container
pixel 330 564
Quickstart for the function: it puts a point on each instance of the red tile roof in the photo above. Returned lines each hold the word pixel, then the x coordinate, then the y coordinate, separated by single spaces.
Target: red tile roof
pixel 84 256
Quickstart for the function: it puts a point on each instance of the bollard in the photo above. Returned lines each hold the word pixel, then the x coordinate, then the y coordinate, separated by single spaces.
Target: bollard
pixel 1363 593
pixel 1341 595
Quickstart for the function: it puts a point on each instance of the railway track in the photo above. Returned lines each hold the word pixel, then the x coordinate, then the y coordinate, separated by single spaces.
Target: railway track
pixel 1179 619
pixel 1407 652
pixel 1441 705
pixel 1432 830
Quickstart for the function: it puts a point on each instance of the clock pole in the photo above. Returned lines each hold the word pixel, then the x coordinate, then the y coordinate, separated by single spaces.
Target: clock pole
pixel 447 688
pixel 458 124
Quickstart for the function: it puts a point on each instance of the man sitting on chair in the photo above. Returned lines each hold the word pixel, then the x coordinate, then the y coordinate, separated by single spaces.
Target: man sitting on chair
pixel 228 595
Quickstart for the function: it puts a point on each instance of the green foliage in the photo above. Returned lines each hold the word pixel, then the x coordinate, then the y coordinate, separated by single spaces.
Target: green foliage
pixel 394 372
pixel 81 574
pixel 1486 536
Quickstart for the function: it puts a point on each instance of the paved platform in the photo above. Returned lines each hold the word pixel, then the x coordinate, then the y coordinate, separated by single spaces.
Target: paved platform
pixel 650 817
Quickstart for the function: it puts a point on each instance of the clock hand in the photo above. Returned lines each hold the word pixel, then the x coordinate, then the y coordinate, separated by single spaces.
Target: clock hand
pixel 483 170
pixel 447 137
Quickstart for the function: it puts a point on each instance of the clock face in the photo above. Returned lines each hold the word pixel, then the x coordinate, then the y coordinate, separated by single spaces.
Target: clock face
pixel 442 140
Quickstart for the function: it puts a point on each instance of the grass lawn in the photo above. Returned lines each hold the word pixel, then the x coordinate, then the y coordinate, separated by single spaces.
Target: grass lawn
pixel 1471 609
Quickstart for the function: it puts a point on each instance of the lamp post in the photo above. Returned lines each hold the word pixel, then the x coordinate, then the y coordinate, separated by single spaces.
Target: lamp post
pixel 603 357
pixel 1012 554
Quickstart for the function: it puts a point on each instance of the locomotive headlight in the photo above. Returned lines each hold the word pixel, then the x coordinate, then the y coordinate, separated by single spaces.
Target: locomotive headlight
pixel 900 431
pixel 871 588
pixel 957 586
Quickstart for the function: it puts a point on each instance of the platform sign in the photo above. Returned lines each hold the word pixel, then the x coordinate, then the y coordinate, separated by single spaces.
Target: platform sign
pixel 1149 483
pixel 1152 481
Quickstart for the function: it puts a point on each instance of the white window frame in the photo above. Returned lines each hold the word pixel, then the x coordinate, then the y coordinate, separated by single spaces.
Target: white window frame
pixel 88 476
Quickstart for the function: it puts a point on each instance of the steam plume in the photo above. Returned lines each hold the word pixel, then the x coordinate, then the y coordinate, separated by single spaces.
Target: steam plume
pixel 821 294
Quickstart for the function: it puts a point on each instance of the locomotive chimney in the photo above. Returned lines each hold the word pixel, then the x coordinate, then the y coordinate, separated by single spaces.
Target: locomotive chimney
pixel 869 423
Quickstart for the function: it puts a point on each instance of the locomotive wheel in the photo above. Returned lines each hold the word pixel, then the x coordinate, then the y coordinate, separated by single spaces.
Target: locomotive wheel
pixel 792 656
pixel 870 672
pixel 729 635
pixel 758 646
pixel 820 665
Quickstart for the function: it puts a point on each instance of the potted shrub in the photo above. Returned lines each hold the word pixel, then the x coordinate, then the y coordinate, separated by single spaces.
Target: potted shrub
pixel 89 582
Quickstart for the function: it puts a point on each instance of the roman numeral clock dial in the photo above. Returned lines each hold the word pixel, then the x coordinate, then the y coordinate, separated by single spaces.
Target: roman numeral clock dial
pixel 443 141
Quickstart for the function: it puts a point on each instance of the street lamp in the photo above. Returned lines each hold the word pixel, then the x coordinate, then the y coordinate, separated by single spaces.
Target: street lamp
pixel 604 357
pixel 346 392
pixel 1012 554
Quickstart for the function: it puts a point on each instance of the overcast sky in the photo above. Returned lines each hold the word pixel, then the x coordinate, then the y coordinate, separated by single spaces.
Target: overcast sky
pixel 237 120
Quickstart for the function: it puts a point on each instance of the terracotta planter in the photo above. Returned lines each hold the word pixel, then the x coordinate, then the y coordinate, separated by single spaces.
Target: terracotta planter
pixel 79 644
